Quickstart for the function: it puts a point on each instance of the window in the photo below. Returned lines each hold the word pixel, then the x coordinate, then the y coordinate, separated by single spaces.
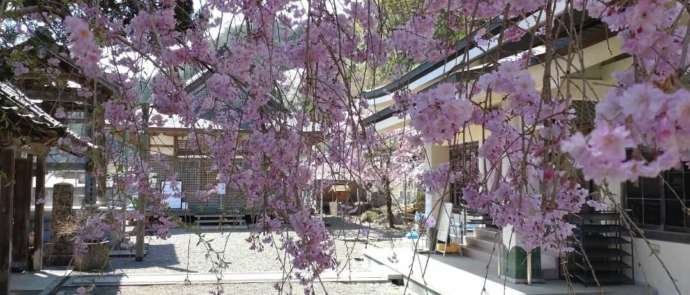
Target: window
pixel 660 204
pixel 463 158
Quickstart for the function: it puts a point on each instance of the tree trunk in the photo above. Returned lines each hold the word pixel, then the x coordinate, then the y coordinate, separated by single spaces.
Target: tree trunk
pixel 389 203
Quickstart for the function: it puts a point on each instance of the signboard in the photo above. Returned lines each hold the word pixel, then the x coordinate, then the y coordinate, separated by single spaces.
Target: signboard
pixel 444 222
pixel 220 188
pixel 173 194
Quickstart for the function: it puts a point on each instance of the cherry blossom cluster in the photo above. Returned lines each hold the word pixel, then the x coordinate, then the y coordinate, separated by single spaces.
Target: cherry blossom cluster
pixel 649 31
pixel 83 45
pixel 437 114
pixel 313 251
pixel 641 131
pixel 437 180
pixel 641 124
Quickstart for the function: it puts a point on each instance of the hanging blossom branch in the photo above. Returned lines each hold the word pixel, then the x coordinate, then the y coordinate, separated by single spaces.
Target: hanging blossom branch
pixel 285 93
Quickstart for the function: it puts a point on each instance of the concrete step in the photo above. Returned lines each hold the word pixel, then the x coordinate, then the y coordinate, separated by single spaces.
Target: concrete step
pixel 487 233
pixel 235 222
pixel 480 254
pixel 224 227
pixel 207 217
pixel 481 243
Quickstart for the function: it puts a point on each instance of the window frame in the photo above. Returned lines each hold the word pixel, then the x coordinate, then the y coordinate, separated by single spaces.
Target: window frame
pixel 661 231
pixel 462 150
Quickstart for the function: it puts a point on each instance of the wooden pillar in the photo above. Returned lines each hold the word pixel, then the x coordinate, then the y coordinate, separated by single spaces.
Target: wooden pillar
pixel 39 196
pixel 22 212
pixel 100 160
pixel 89 184
pixel 144 151
pixel 6 196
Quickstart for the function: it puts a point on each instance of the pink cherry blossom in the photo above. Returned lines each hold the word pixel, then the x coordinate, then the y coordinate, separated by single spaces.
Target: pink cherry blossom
pixel 610 143
pixel 83 46
pixel 439 114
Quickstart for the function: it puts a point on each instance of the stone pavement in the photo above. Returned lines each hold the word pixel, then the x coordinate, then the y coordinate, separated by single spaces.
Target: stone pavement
pixel 445 274
pixel 36 282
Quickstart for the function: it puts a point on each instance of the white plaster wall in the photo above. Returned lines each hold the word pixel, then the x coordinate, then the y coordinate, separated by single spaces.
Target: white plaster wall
pixel 437 155
pixel 648 270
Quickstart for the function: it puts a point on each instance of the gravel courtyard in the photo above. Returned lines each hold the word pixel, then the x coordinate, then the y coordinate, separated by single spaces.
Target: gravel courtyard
pixel 183 251
pixel 250 288
pixel 189 251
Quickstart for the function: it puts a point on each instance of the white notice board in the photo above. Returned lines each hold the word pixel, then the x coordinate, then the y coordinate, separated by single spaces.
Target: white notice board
pixel 173 195
pixel 444 222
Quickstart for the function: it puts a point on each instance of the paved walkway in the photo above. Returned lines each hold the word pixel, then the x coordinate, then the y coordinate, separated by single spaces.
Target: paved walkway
pixel 36 282
pixel 450 274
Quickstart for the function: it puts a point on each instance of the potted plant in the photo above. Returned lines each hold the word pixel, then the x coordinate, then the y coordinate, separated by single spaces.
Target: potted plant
pixel 91 246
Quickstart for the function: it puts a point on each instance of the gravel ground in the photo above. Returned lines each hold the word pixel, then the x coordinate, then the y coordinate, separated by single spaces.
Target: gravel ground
pixel 239 289
pixel 183 252
pixel 180 252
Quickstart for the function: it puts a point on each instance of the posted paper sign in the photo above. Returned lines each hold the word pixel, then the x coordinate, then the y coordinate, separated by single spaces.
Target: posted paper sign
pixel 173 194
pixel 220 188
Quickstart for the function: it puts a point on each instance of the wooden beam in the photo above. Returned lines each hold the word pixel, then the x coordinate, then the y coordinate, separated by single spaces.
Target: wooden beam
pixel 6 194
pixel 39 196
pixel 66 166
pixel 22 213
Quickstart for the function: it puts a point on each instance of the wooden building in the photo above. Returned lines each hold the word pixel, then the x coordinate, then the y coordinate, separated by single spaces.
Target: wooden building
pixel 193 169
pixel 26 135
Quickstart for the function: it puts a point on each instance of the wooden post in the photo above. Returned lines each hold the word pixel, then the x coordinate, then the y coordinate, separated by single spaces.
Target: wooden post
pixel 144 154
pixel 6 196
pixel 100 161
pixel 89 185
pixel 39 196
pixel 22 212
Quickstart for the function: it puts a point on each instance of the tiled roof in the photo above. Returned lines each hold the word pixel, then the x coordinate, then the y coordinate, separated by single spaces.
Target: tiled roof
pixel 27 118
pixel 15 104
